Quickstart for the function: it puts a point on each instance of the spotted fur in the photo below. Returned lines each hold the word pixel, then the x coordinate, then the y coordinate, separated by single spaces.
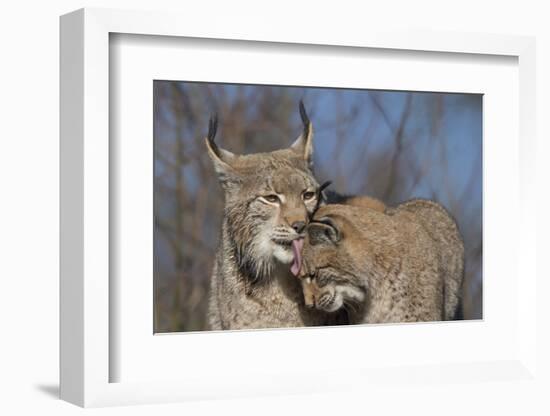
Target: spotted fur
pixel 401 265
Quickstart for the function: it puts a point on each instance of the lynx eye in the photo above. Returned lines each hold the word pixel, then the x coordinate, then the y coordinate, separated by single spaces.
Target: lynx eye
pixel 308 196
pixel 271 198
pixel 321 279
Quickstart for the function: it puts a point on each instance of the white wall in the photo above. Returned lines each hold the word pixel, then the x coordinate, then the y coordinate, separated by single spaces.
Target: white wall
pixel 29 204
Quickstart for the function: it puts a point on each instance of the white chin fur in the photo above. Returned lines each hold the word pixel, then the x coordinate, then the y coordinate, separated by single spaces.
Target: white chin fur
pixel 350 292
pixel 284 255
pixel 267 249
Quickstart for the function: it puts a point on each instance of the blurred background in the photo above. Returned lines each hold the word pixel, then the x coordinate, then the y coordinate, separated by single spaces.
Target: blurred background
pixel 388 144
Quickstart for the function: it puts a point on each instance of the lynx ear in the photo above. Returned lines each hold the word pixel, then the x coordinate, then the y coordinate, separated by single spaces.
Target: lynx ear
pixel 323 231
pixel 222 159
pixel 304 143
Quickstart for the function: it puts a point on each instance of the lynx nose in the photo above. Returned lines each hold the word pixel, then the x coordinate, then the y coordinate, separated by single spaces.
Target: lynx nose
pixel 298 226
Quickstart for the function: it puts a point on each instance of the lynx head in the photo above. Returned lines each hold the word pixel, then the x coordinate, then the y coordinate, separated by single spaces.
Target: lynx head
pixel 331 253
pixel 268 198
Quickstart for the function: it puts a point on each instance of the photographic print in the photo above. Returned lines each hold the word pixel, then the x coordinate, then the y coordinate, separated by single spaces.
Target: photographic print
pixel 283 206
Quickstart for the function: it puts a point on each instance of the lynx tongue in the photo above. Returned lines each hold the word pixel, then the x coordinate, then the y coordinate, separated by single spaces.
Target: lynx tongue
pixel 297 250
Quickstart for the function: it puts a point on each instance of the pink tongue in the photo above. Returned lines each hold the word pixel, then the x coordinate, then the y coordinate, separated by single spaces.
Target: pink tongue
pixel 297 250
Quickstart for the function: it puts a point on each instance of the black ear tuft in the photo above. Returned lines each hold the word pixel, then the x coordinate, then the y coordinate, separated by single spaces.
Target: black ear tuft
pixel 320 198
pixel 303 114
pixel 303 144
pixel 305 119
pixel 212 130
pixel 324 186
pixel 212 127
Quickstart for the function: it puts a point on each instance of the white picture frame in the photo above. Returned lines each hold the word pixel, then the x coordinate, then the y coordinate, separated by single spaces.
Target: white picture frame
pixel 86 292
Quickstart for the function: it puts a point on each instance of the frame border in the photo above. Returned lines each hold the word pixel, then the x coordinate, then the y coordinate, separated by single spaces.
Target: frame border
pixel 84 180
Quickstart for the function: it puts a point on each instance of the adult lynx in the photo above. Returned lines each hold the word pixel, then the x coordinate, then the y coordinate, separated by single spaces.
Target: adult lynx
pixel 401 265
pixel 268 198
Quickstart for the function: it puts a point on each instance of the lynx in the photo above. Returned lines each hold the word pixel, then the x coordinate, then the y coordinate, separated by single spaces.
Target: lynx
pixel 401 265
pixel 268 199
